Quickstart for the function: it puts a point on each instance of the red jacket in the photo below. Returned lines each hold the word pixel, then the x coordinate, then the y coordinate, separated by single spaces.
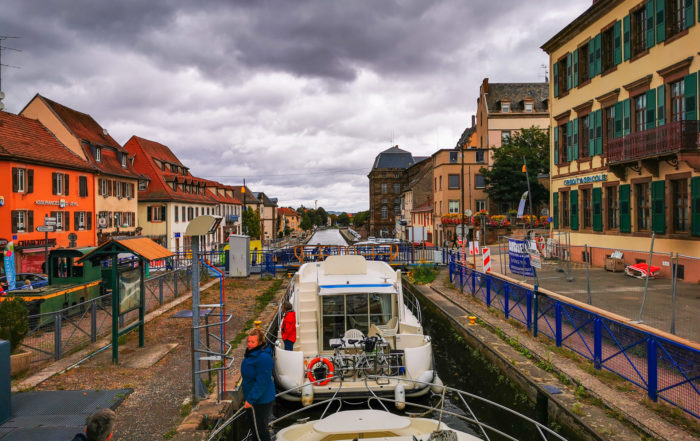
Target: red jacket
pixel 289 327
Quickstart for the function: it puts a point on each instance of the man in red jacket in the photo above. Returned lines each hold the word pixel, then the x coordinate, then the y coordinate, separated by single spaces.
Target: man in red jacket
pixel 289 327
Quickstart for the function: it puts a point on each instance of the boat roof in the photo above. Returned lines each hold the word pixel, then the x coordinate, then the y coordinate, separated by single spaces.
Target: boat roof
pixel 349 274
pixel 369 420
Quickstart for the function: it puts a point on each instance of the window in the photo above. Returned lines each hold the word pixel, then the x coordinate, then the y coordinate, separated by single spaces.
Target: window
pixel 454 157
pixel 583 64
pixel 678 100
pixel 440 182
pixel 480 156
pixel 22 221
pixel 118 219
pixel 20 180
pixel 62 220
pixel 118 189
pixel 453 207
pixel 679 189
pixel 479 181
pixel 676 16
pixel 638 37
pixel 143 185
pixel 643 206
pixel 640 111
pixel 562 76
pixel 80 220
pixel 565 213
pixel 611 201
pixel 98 154
pixel 529 105
pixel 156 213
pixel 397 209
pixel 384 200
pixel 177 216
pixel 190 212
pixel 354 311
pixel 453 182
pixel 561 139
pixel 196 211
pixel 383 188
pixel 505 106
pixel 124 160
pixel 385 212
pixel 584 136
pixel 103 187
pixel 397 188
pixel 82 186
pixel 505 135
pixel 397 175
pixel 609 122
pixel 587 202
pixel 480 204
pixel 608 49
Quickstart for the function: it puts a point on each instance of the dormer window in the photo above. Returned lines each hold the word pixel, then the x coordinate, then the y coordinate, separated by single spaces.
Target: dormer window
pixel 505 106
pixel 98 154
pixel 123 160
pixel 143 185
pixel 529 106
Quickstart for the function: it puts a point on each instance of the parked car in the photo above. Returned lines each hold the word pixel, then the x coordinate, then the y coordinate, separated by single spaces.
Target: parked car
pixel 37 280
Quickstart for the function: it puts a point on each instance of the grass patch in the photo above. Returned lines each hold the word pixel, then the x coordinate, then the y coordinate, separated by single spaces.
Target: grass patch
pixel 675 415
pixel 260 302
pixel 424 273
pixel 170 434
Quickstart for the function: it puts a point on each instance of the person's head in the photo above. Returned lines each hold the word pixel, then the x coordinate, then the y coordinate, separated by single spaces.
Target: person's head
pixel 287 307
pixel 255 338
pixel 99 425
pixel 27 282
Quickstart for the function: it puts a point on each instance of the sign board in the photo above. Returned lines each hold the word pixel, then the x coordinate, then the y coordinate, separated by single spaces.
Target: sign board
pixel 177 234
pixel 519 258
pixel 45 228
pixel 49 222
pixel 49 219
pixel 535 261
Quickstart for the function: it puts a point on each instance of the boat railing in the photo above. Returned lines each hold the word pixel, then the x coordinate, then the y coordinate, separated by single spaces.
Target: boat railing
pixel 411 302
pixel 470 416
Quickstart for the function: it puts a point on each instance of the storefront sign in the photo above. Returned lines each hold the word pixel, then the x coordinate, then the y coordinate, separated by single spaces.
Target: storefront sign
pixel 519 258
pixel 586 179
pixel 36 243
pixel 59 203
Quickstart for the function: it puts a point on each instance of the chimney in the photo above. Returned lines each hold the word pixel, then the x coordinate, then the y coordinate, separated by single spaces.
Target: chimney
pixel 473 120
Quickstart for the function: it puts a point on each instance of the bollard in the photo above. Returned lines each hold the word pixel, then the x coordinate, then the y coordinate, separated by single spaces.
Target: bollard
pixel 472 320
pixel 257 323
pixel 93 321
pixel 5 382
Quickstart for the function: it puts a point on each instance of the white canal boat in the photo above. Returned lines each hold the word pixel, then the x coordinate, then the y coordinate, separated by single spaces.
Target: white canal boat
pixel 358 333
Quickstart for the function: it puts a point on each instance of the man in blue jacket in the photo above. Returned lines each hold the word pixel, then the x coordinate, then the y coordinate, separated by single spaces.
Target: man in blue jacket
pixel 258 386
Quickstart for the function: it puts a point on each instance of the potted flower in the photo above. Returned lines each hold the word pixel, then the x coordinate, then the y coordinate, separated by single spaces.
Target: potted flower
pixel 14 325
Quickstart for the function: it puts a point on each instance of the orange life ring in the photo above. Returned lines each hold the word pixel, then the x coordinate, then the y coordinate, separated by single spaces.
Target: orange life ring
pixel 325 361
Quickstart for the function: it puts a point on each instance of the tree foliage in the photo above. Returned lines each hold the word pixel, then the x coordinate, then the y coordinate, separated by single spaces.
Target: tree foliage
pixel 343 219
pixel 360 218
pixel 251 223
pixel 13 322
pixel 505 181
pixel 306 223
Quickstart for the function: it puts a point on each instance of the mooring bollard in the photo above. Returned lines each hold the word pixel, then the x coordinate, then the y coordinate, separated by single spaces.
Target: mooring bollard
pixel 5 382
pixel 472 320
pixel 257 323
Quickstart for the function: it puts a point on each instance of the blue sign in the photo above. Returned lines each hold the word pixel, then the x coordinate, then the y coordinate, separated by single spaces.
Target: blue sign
pixel 519 258
pixel 10 266
pixel 586 179
pixel 177 234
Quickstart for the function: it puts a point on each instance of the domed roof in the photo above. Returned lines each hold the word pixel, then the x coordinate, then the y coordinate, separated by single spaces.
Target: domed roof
pixel 393 157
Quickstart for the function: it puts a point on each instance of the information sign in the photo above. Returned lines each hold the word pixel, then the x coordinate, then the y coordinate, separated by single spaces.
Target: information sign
pixel 519 258
pixel 45 228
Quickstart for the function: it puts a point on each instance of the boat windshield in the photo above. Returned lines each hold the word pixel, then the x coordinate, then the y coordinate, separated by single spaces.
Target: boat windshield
pixel 354 311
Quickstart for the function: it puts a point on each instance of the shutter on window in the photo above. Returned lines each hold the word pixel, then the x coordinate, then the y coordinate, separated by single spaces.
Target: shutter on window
pixel 626 117
pixel 617 43
pixel 618 119
pixel 651 109
pixel 30 180
pixel 591 134
pixel 30 221
pixel 555 210
pixel 556 79
pixel 15 180
pixel 149 216
pixel 574 209
pixel 625 221
pixel 575 67
pixel 110 218
pixel 569 70
pixel 658 211
pixel 598 55
pixel 66 181
pixel 695 205
pixel 13 216
pixel 569 153
pixel 626 37
pixel 599 132
pixel 556 145
pixel 598 209
pixel 88 220
pixel 54 184
pixel 650 22
pixel 691 101
pixel 689 14
pixel 660 22
pixel 66 220
pixel 76 219
pixel 661 105
pixel 591 58
pixel 163 213
pixel 574 142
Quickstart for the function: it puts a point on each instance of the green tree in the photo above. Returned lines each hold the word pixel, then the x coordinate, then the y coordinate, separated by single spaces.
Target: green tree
pixel 321 217
pixel 251 223
pixel 343 219
pixel 13 322
pixel 360 218
pixel 505 181
pixel 306 223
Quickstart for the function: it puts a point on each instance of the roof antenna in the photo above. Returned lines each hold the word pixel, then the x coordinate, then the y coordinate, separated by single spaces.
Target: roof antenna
pixel 3 38
pixel 546 72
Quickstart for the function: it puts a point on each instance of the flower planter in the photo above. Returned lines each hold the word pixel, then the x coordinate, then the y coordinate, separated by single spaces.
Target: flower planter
pixel 19 363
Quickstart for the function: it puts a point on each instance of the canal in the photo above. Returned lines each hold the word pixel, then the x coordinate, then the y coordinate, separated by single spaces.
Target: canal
pixel 329 236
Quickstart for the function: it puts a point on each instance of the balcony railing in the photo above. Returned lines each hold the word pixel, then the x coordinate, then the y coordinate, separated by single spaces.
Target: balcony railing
pixel 663 140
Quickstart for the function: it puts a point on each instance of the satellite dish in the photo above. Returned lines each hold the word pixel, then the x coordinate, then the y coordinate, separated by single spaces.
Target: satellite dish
pixel 467 212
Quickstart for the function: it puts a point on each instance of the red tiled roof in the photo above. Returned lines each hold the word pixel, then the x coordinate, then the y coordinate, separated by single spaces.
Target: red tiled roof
pixel 423 208
pixel 24 139
pixel 238 194
pixel 287 211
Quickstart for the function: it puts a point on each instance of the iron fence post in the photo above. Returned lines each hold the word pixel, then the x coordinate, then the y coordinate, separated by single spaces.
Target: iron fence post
pixel 473 280
pixel 93 321
pixel 597 343
pixel 674 279
pixel 535 312
pixel 57 336
pixel 488 291
pixel 557 325
pixel 461 278
pixel 160 290
pixel 451 268
pixel 176 277
pixel 506 300
pixel 652 377
pixel 529 309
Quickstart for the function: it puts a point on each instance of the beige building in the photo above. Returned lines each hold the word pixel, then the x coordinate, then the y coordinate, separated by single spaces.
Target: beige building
pixel 625 159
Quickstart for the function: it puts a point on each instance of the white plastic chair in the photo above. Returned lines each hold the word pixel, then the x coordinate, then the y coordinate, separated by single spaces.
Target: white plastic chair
pixel 354 334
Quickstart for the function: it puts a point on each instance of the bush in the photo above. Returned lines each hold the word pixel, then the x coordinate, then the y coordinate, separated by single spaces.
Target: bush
pixel 14 322
pixel 424 273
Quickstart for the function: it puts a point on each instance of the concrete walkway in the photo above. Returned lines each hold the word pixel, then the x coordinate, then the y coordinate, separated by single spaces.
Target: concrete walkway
pixel 616 395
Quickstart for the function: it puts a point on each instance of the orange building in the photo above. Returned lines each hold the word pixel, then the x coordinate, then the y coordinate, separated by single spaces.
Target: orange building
pixel 47 180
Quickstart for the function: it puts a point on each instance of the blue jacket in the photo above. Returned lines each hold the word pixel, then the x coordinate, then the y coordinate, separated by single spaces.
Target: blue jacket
pixel 256 370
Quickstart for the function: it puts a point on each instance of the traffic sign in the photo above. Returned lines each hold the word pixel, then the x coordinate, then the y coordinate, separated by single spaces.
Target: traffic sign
pixel 49 219
pixel 45 228
pixel 49 222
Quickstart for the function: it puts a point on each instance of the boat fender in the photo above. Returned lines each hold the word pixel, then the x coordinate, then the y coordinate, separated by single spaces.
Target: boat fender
pixel 307 394
pixel 329 368
pixel 437 386
pixel 425 377
pixel 400 396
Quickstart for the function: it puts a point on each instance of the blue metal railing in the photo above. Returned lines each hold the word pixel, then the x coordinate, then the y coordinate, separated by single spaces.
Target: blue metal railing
pixel 664 368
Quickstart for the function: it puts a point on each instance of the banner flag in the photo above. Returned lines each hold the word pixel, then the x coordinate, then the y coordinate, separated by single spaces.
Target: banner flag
pixel 10 266
pixel 521 206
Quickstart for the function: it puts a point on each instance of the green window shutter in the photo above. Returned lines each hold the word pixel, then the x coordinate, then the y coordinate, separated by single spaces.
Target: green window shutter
pixel 658 210
pixel 556 144
pixel 618 119
pixel 660 105
pixel 689 14
pixel 591 134
pixel 568 71
pixel 625 221
pixel 626 38
pixel 591 58
pixel 574 209
pixel 626 117
pixel 574 148
pixel 555 209
pixel 695 204
pixel 556 79
pixel 651 109
pixel 649 5
pixel 576 68
pixel 617 43
pixel 569 153
pixel 691 99
pixel 599 132
pixel 660 21
pixel 598 55
pixel 598 209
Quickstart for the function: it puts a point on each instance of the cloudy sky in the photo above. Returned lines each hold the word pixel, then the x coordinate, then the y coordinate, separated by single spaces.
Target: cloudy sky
pixel 296 96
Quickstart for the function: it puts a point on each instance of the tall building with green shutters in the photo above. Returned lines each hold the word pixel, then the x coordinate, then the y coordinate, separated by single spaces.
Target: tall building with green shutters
pixel 625 147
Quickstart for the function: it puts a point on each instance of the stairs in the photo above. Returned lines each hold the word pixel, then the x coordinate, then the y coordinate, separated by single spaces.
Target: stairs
pixel 307 334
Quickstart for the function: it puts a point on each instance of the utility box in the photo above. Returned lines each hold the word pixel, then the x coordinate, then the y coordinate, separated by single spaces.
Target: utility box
pixel 239 255
pixel 614 265
pixel 5 382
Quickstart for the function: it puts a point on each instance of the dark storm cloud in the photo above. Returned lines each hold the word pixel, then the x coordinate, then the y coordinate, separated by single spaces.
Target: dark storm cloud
pixel 272 90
